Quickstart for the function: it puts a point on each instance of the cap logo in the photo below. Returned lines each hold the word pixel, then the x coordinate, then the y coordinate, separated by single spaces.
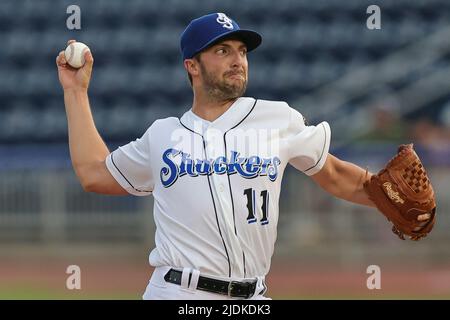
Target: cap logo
pixel 225 21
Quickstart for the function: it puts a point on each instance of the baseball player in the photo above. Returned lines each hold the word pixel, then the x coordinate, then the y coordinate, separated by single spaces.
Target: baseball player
pixel 215 173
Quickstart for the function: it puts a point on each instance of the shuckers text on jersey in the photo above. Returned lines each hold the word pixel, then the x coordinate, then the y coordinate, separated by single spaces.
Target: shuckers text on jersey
pixel 180 163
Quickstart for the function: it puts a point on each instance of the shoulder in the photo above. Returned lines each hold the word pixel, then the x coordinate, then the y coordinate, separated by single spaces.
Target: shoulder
pixel 165 121
pixel 278 109
pixel 272 104
pixel 164 124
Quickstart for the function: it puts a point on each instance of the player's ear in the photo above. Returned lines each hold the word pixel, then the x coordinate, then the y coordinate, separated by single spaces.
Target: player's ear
pixel 191 66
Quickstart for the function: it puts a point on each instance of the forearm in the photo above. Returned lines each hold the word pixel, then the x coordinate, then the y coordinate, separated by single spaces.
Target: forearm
pixel 86 146
pixel 349 180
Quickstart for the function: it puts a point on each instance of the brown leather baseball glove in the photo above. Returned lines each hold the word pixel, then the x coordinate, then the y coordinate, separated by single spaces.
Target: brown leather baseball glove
pixel 403 192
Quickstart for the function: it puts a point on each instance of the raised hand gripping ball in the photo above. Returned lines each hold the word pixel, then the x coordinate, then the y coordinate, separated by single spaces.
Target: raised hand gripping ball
pixel 74 54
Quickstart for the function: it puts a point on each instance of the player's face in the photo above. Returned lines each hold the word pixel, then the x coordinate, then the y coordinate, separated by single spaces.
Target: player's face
pixel 224 69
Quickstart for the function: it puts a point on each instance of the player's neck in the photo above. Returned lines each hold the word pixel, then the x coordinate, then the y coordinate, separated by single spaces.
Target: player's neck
pixel 209 109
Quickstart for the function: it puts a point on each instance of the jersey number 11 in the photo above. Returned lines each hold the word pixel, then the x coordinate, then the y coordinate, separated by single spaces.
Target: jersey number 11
pixel 251 205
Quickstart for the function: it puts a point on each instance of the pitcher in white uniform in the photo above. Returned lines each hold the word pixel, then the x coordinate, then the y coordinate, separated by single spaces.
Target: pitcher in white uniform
pixel 215 173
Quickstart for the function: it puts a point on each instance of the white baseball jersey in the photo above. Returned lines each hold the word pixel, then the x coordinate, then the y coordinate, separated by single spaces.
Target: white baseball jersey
pixel 216 185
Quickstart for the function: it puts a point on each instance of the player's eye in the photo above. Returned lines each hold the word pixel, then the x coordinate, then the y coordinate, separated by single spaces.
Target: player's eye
pixel 221 51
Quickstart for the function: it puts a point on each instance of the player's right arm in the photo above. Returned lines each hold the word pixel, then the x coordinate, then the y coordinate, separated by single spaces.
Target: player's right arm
pixel 88 151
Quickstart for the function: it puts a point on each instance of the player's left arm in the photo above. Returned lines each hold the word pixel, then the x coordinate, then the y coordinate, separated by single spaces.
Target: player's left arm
pixel 343 180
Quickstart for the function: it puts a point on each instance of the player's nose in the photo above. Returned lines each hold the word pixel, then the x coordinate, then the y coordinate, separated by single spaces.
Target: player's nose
pixel 238 59
pixel 238 67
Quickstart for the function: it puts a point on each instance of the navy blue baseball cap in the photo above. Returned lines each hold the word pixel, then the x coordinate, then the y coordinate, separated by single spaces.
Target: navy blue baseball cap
pixel 209 29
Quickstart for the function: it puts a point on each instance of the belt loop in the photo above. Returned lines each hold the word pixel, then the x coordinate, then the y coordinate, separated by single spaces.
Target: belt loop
pixel 185 278
pixel 194 280
pixel 231 287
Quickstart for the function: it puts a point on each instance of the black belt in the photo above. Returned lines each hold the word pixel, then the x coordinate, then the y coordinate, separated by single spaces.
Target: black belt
pixel 230 288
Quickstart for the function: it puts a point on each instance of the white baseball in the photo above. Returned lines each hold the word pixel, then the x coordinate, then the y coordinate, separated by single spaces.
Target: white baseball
pixel 75 54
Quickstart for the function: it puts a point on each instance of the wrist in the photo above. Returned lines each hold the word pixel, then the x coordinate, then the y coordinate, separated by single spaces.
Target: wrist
pixel 75 90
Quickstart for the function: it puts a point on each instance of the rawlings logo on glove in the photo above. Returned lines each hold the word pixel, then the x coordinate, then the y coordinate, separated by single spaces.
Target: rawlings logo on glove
pixel 391 193
pixel 404 194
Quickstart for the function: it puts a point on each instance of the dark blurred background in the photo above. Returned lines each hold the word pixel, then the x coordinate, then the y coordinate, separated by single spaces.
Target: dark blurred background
pixel 376 88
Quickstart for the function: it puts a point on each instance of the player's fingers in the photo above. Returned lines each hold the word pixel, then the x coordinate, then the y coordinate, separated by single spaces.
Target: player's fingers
pixel 424 217
pixel 71 41
pixel 88 56
pixel 61 59
pixel 89 59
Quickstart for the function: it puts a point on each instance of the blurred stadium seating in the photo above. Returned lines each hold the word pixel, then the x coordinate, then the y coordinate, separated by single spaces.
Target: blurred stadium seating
pixel 139 75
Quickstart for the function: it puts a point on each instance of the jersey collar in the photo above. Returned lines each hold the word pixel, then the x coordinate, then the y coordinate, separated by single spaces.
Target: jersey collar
pixel 237 112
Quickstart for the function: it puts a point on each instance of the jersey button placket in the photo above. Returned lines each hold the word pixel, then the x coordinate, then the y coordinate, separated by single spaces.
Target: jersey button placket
pixel 214 149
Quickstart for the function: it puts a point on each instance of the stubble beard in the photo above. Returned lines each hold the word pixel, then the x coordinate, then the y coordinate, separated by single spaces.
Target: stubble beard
pixel 219 89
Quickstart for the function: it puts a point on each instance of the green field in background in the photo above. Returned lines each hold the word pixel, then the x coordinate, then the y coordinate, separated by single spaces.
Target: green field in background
pixel 26 293
pixel 42 294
